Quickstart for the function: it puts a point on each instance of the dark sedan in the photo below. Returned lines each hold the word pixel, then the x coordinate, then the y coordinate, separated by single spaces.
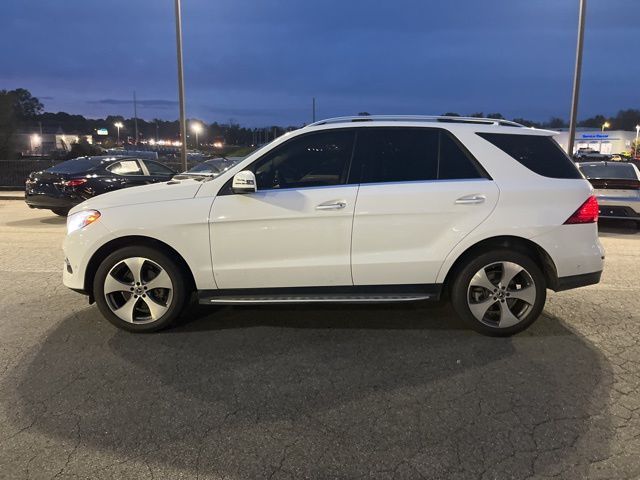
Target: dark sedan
pixel 69 183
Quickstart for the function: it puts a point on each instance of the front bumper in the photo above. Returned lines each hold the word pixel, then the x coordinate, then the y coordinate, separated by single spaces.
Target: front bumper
pixel 79 247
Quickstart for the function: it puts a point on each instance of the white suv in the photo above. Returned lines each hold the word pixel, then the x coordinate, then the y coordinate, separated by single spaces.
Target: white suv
pixel 356 209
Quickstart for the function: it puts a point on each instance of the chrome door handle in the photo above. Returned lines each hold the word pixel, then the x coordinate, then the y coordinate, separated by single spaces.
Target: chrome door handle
pixel 332 205
pixel 471 200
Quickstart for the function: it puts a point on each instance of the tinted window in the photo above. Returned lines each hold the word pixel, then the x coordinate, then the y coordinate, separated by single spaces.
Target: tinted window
pixel 156 168
pixel 609 170
pixel 410 154
pixel 125 167
pixel 540 154
pixel 454 162
pixel 77 165
pixel 313 160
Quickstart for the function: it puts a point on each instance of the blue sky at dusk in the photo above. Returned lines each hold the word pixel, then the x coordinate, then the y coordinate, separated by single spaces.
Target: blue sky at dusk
pixel 260 62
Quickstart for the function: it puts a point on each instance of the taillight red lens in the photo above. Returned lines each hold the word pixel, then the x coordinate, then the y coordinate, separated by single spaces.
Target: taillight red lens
pixel 76 182
pixel 587 213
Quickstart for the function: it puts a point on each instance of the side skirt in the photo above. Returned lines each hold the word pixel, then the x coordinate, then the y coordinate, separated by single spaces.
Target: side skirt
pixel 341 294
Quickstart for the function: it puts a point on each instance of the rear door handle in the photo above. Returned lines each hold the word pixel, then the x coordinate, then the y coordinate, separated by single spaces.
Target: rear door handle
pixel 471 199
pixel 332 205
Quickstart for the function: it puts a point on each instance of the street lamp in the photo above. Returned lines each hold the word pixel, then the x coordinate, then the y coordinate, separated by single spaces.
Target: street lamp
pixel 577 73
pixel 605 125
pixel 118 125
pixel 635 149
pixel 36 141
pixel 196 128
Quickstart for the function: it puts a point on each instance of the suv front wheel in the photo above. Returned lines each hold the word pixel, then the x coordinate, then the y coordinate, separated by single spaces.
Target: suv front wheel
pixel 499 293
pixel 140 289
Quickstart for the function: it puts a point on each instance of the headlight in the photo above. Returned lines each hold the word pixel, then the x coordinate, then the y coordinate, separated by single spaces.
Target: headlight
pixel 81 219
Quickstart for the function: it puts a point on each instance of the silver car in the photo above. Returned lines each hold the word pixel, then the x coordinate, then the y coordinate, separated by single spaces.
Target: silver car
pixel 617 188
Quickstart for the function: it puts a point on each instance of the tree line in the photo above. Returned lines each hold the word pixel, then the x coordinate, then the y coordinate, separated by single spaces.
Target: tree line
pixel 20 111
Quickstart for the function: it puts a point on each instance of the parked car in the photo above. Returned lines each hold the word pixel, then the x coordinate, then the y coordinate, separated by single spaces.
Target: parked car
pixel 593 157
pixel 346 210
pixel 69 183
pixel 212 166
pixel 617 188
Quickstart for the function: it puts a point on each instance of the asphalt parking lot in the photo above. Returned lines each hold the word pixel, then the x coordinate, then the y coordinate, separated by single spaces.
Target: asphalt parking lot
pixel 313 392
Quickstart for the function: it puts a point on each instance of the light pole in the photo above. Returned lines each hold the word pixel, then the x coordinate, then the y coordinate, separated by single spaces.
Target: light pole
pixel 605 125
pixel 576 77
pixel 196 128
pixel 118 125
pixel 635 149
pixel 183 120
pixel 36 142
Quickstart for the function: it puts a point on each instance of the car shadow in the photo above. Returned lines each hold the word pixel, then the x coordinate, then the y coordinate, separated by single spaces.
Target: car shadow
pixel 317 392
pixel 38 222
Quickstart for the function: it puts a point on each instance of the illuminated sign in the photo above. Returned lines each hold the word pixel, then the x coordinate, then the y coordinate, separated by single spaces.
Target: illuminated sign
pixel 102 131
pixel 597 136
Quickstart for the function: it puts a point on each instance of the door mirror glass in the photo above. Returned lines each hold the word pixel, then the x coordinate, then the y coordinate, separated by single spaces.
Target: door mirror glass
pixel 244 182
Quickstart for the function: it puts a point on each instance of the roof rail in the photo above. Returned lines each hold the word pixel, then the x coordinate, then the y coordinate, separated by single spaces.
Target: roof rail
pixel 418 118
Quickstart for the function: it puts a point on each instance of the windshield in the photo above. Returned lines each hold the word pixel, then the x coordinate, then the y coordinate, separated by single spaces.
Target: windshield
pixel 77 165
pixel 216 166
pixel 609 170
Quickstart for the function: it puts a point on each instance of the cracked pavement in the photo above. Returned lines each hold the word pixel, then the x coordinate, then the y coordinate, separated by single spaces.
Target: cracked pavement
pixel 397 391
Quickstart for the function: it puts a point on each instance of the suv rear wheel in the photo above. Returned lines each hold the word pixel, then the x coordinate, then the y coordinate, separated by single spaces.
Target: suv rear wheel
pixel 499 293
pixel 140 289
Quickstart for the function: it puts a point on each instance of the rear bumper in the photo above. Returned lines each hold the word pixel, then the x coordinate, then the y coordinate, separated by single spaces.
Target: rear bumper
pixel 619 207
pixel 43 200
pixel 577 281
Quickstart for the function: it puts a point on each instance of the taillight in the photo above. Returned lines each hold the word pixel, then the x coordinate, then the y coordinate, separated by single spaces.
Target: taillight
pixel 76 182
pixel 587 213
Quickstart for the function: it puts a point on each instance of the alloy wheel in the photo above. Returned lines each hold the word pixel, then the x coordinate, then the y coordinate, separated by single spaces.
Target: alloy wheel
pixel 138 290
pixel 501 294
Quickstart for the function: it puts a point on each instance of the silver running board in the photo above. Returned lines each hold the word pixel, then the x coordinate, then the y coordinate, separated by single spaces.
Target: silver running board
pixel 336 298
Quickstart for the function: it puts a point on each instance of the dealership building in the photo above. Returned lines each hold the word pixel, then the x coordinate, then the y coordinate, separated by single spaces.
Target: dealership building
pixel 609 141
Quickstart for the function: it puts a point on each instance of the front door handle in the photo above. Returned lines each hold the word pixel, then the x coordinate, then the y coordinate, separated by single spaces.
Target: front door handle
pixel 471 199
pixel 332 205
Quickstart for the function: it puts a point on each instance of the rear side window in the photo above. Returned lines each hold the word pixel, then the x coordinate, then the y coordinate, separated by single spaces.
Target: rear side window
pixel 540 154
pixel 125 167
pixel 609 170
pixel 410 154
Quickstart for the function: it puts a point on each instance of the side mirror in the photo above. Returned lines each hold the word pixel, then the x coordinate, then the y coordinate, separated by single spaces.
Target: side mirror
pixel 244 182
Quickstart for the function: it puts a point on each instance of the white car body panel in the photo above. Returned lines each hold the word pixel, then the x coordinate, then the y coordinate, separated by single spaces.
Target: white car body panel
pixel 279 238
pixel 403 231
pixel 400 236
pixel 182 222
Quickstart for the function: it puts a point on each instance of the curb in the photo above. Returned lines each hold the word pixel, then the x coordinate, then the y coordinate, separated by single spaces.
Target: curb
pixel 11 195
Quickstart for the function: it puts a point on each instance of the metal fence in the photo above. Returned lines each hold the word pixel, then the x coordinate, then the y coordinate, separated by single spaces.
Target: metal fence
pixel 13 173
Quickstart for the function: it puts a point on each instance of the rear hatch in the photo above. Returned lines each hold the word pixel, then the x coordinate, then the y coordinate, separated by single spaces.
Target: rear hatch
pixel 615 187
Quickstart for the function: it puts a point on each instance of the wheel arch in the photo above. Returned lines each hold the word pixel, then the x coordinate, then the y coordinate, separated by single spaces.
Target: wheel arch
pixel 519 244
pixel 130 241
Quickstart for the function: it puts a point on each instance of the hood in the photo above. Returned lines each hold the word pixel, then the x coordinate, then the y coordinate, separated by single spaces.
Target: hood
pixel 156 192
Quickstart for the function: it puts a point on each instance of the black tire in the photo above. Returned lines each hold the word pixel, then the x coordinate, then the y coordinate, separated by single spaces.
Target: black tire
pixel 178 300
pixel 63 212
pixel 461 292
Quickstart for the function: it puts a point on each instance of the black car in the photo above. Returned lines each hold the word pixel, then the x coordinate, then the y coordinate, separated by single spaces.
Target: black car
pixel 69 183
